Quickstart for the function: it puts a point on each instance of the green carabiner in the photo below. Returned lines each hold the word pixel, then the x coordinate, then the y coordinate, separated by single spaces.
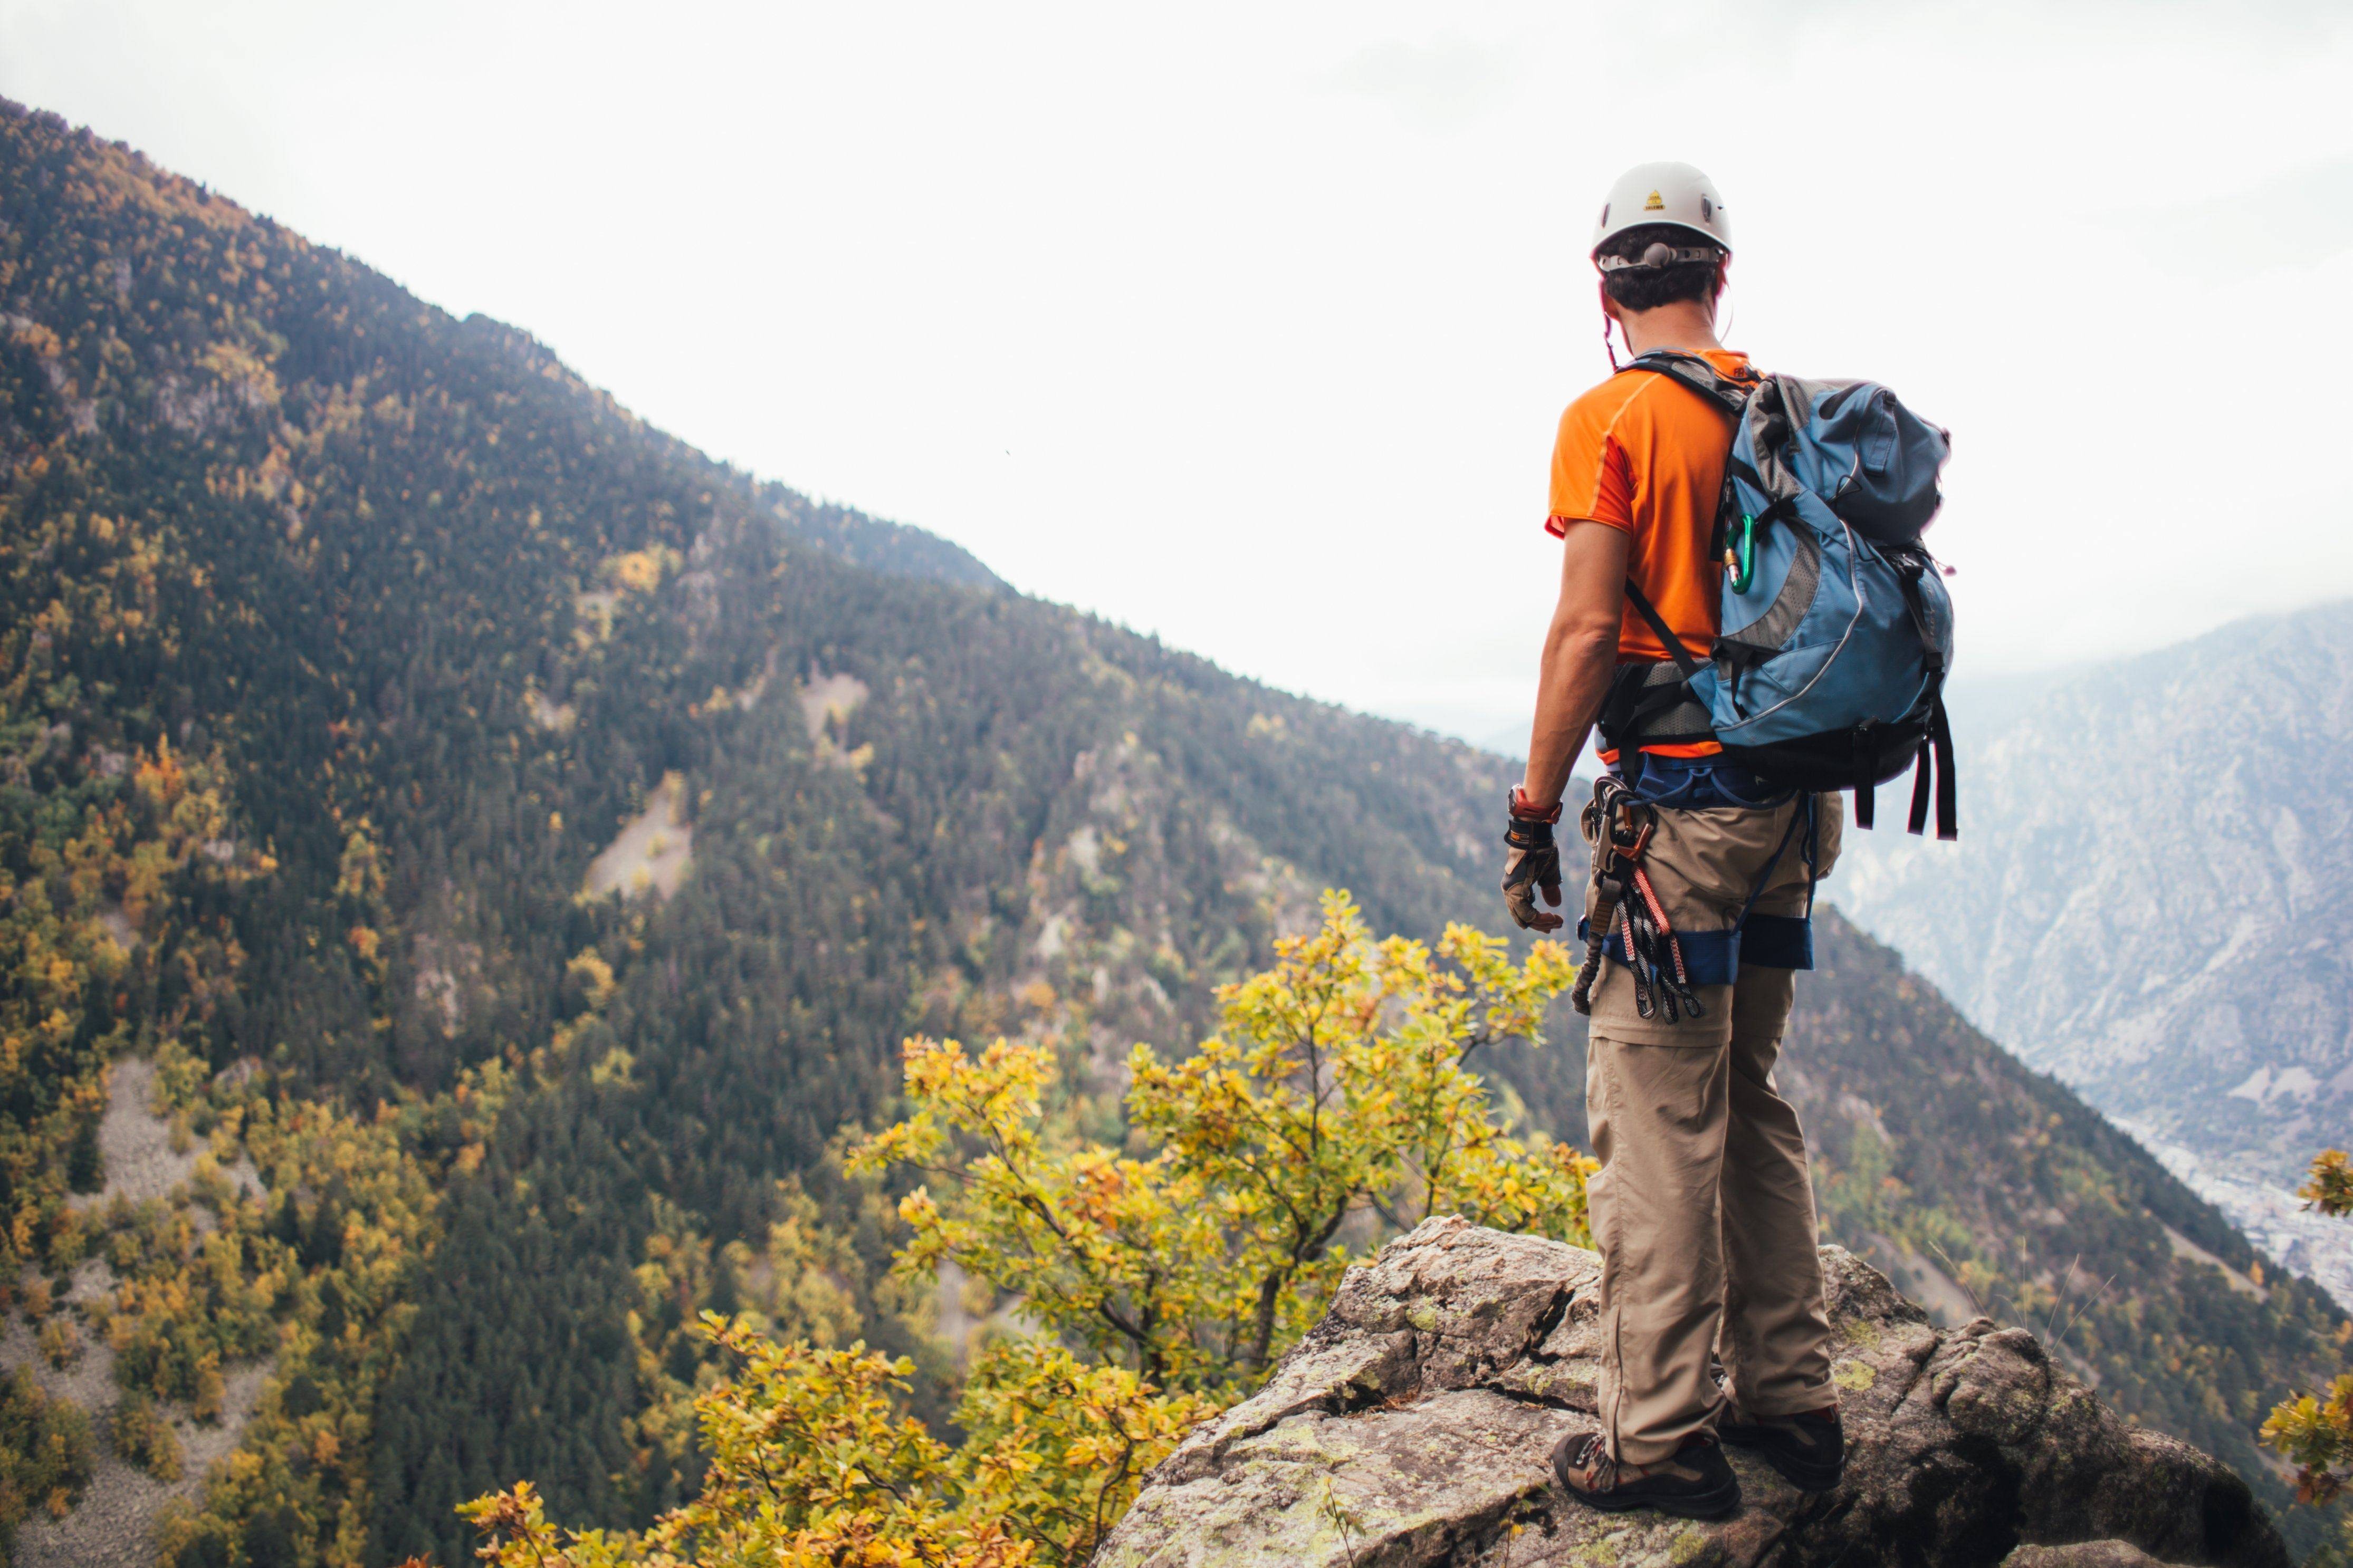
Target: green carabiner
pixel 1742 564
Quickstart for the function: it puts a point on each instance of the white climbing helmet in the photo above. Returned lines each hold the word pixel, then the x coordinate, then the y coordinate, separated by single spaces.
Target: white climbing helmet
pixel 1673 193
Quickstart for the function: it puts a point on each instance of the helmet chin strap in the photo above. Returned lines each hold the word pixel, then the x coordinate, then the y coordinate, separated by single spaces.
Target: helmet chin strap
pixel 1609 347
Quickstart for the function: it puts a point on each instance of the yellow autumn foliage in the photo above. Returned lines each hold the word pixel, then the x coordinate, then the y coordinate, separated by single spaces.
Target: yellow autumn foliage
pixel 1150 1285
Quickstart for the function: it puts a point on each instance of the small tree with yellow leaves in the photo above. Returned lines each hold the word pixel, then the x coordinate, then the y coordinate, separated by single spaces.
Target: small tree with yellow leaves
pixel 1153 1283
pixel 1335 1106
pixel 2314 1432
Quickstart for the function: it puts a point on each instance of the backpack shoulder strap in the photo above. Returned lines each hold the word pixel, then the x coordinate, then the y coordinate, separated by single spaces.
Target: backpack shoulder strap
pixel 1693 371
pixel 1731 397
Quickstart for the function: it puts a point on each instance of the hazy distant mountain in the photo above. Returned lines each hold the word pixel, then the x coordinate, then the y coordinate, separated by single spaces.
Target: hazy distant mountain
pixel 2153 897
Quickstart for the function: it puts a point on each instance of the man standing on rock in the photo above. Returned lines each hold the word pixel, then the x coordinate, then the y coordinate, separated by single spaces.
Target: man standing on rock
pixel 1703 1209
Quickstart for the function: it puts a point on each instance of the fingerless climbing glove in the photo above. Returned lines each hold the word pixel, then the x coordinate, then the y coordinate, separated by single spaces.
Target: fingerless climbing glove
pixel 1531 863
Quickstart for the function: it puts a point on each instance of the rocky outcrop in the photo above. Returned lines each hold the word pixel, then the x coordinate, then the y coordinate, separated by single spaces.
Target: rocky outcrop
pixel 1415 1423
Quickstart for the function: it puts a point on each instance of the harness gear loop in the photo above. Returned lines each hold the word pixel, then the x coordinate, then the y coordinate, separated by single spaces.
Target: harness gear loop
pixel 1618 824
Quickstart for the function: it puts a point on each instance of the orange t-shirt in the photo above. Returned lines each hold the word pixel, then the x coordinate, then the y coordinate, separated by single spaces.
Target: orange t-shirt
pixel 1644 455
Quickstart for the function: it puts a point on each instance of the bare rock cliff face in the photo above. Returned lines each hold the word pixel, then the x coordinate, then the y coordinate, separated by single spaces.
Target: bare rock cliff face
pixel 1415 1425
pixel 2153 894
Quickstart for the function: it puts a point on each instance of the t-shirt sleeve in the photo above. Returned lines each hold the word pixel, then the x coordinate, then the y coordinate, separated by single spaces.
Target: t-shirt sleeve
pixel 1591 478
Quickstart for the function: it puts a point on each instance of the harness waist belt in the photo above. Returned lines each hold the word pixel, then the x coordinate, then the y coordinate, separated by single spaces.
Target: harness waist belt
pixel 1713 957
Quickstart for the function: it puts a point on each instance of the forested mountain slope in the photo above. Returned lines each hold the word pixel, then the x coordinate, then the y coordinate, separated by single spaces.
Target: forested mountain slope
pixel 525 841
pixel 342 637
pixel 2154 901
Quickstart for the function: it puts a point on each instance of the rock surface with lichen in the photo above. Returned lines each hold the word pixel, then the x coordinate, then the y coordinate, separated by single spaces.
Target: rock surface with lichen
pixel 1416 1424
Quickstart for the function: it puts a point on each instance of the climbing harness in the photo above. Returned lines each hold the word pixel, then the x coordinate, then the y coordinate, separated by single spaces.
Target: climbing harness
pixel 1618 826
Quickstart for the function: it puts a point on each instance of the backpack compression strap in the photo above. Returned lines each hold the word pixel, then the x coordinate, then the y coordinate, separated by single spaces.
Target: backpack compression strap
pixel 1937 746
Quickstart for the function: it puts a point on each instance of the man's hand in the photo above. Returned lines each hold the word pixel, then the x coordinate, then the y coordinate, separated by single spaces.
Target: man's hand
pixel 1531 864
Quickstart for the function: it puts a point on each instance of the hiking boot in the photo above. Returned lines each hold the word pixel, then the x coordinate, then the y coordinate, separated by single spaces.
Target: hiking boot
pixel 1809 1449
pixel 1695 1483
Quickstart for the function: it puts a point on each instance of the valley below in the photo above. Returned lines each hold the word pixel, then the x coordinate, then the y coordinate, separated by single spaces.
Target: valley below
pixel 2268 1213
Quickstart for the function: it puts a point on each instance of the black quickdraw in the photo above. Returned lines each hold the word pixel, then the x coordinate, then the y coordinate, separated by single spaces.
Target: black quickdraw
pixel 1618 826
pixel 1659 975
pixel 1613 833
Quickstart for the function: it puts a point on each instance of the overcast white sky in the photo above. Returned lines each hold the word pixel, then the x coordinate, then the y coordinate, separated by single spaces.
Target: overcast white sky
pixel 1248 324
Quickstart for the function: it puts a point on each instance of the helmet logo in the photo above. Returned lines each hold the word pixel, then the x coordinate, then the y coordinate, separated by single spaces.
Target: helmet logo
pixel 1654 204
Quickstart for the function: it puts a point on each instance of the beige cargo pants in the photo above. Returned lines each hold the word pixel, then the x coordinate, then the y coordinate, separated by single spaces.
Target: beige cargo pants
pixel 1703 1209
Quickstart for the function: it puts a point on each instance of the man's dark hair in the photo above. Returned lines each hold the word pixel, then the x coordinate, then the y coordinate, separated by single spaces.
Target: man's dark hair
pixel 1647 288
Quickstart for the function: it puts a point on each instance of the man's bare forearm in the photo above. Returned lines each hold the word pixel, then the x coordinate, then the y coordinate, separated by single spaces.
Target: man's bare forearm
pixel 1573 679
pixel 1580 654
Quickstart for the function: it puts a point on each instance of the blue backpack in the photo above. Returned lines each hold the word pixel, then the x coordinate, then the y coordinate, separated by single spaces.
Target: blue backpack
pixel 1830 671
